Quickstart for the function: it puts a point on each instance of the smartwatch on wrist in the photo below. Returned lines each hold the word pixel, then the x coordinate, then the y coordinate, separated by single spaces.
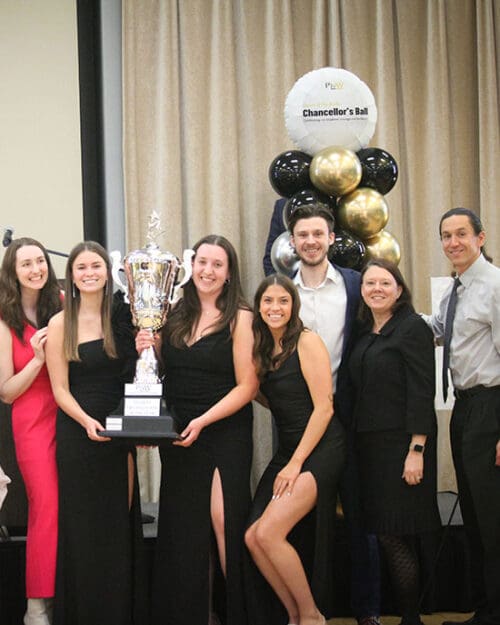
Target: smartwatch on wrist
pixel 418 448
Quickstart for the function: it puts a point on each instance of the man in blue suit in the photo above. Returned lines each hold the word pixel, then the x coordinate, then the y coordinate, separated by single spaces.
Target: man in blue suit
pixel 276 227
pixel 329 304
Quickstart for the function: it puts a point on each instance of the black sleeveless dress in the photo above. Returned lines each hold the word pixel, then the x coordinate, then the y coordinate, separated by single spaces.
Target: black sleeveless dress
pixel 100 568
pixel 196 378
pixel 291 405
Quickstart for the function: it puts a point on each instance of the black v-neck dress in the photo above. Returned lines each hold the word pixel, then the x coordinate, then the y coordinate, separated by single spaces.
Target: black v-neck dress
pixel 196 378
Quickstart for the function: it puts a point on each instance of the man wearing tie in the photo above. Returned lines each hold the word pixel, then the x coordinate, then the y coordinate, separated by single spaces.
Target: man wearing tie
pixel 468 323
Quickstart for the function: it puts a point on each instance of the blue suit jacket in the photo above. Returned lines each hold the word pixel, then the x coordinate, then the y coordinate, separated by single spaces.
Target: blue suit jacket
pixel 275 229
pixel 343 393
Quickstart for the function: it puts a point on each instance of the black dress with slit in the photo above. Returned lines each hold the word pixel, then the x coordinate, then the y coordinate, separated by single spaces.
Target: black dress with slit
pixel 196 378
pixel 291 405
pixel 100 575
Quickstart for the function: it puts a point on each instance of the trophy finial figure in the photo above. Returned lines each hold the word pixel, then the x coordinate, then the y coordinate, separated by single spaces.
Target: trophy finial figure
pixel 154 228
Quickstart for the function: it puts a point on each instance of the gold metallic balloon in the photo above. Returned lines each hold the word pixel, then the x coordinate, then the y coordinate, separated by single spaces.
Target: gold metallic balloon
pixel 335 170
pixel 363 212
pixel 383 245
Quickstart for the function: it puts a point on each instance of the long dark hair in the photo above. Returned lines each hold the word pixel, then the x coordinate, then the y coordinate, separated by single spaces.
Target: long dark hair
pixel 474 221
pixel 187 312
pixel 403 301
pixel 72 303
pixel 49 299
pixel 263 339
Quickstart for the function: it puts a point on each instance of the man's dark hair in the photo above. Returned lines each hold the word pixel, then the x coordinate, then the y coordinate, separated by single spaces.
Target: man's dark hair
pixel 474 221
pixel 306 211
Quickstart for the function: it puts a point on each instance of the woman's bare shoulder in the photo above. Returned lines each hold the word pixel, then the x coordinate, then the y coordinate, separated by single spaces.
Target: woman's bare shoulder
pixel 57 320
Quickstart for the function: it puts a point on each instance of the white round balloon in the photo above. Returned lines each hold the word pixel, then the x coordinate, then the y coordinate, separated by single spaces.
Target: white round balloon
pixel 330 106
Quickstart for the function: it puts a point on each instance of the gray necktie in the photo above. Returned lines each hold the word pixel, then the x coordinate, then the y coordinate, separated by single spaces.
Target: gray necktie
pixel 448 330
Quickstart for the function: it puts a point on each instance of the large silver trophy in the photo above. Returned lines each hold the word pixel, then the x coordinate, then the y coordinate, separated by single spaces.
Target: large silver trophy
pixel 151 289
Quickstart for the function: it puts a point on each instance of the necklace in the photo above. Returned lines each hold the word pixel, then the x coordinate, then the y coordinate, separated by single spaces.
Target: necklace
pixel 210 314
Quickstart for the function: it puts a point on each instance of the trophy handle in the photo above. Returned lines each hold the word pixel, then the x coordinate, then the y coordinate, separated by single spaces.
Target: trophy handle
pixel 187 266
pixel 116 265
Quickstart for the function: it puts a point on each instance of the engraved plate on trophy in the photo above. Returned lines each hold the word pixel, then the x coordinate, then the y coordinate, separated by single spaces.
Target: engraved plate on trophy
pixel 151 289
pixel 142 400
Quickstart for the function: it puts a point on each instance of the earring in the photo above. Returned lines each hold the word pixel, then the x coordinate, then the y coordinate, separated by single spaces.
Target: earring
pixel 73 290
pixel 227 281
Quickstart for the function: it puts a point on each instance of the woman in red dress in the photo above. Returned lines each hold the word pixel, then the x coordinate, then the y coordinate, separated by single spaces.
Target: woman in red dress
pixel 29 296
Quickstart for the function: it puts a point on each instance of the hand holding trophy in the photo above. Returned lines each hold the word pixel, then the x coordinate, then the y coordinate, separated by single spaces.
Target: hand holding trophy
pixel 151 290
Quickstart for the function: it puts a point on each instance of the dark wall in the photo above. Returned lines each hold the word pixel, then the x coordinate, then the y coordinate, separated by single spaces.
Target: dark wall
pixel 91 119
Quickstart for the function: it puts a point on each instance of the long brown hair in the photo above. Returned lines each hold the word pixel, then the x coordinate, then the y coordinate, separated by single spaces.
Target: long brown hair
pixel 187 312
pixel 263 339
pixel 49 298
pixel 72 304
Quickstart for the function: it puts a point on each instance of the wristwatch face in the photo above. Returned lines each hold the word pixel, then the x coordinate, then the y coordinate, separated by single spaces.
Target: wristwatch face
pixel 417 447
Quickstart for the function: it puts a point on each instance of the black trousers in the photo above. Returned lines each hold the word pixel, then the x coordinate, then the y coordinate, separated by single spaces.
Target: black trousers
pixel 475 431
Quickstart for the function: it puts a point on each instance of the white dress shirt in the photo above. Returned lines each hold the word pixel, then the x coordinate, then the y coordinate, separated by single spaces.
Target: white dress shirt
pixel 323 310
pixel 475 342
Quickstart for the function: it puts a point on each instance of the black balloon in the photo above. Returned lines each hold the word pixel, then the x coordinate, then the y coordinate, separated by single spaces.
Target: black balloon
pixel 289 172
pixel 307 196
pixel 379 169
pixel 347 250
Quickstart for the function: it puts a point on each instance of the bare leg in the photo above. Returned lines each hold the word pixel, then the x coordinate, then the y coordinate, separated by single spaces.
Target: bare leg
pixel 268 570
pixel 277 560
pixel 217 514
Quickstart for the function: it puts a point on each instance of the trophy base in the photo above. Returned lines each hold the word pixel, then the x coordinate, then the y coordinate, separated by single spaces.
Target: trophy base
pixel 142 429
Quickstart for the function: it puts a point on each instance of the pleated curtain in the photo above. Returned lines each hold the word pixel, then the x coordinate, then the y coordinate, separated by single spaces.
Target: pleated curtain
pixel 204 86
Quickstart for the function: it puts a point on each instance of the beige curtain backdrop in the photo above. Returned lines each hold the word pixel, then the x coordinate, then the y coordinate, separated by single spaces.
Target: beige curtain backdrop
pixel 205 83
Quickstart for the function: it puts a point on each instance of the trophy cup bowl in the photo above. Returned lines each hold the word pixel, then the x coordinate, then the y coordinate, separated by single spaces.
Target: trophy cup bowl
pixel 151 289
pixel 151 277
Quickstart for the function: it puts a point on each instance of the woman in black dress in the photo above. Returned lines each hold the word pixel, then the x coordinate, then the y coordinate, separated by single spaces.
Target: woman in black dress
pixel 206 349
pixel 392 370
pixel 90 354
pixel 294 369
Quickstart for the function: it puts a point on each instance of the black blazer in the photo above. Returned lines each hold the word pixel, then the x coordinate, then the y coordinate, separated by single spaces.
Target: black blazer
pixel 343 401
pixel 393 376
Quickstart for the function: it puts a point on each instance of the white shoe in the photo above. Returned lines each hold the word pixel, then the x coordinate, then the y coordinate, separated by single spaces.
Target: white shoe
pixel 36 613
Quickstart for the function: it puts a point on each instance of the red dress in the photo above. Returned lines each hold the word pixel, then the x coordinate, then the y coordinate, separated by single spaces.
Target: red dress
pixel 34 430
